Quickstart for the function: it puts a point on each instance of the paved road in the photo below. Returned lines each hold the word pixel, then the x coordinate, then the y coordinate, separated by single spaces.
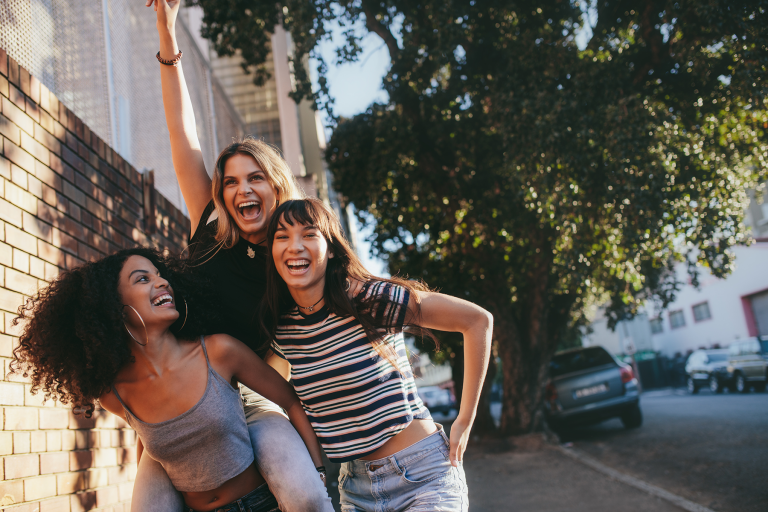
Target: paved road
pixel 710 449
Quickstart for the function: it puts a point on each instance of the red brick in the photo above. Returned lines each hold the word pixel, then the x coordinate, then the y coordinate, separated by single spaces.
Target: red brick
pixel 56 462
pixel 19 239
pixel 34 89
pixel 21 466
pixel 39 488
pixel 3 63
pixel 33 110
pixel 60 504
pixel 50 254
pixel 82 502
pixel 24 81
pixel 37 227
pixel 4 86
pixel 38 441
pixel 46 137
pixel 17 97
pixel 35 148
pixel 5 168
pixel 45 98
pixel 54 418
pixel 21 283
pixel 73 193
pixel 11 393
pixel 54 111
pixel 21 440
pixel 10 301
pixel 13 71
pixel 13 489
pixel 10 130
pixel 10 213
pixel 18 156
pixel 64 241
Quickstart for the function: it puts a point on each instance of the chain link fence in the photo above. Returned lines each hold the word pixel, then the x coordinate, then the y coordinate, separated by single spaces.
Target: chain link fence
pixel 98 58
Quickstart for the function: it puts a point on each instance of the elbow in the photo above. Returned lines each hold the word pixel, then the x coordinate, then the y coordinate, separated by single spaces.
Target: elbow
pixel 487 321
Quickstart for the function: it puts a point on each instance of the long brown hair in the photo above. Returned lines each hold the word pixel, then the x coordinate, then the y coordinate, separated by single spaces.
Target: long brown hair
pixel 274 166
pixel 344 265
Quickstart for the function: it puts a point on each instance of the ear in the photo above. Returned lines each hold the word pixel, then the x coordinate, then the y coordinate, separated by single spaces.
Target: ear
pixel 330 254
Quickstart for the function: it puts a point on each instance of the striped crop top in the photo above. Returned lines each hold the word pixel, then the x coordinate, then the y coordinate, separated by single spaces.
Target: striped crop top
pixel 354 398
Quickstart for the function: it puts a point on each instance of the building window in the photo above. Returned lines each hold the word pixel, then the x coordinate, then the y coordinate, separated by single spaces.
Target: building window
pixel 701 312
pixel 676 319
pixel 656 326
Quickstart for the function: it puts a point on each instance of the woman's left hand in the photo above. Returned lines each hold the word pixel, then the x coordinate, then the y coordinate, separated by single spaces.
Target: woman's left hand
pixel 459 439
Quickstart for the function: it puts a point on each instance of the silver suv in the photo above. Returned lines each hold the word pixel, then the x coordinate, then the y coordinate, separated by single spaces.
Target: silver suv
pixel 747 364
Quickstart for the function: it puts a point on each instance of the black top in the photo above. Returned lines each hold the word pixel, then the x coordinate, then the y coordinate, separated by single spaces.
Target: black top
pixel 238 277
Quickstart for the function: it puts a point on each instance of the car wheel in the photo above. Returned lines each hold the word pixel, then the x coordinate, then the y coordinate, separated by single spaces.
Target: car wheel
pixel 714 385
pixel 741 384
pixel 692 387
pixel 633 418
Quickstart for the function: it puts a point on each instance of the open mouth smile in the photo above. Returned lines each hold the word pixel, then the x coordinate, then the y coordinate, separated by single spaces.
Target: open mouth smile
pixel 249 210
pixel 297 266
pixel 163 300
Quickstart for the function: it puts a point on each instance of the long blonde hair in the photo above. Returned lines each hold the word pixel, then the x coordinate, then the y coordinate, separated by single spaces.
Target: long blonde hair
pixel 274 166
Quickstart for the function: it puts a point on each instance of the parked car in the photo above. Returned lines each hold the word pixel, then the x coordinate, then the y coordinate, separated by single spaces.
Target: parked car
pixel 588 385
pixel 437 399
pixel 707 368
pixel 747 364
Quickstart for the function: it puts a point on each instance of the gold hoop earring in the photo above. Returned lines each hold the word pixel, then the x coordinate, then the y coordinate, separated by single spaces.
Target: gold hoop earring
pixel 186 312
pixel 346 288
pixel 142 323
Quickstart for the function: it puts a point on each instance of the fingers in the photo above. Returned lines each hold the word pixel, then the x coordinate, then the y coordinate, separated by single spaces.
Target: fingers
pixel 455 453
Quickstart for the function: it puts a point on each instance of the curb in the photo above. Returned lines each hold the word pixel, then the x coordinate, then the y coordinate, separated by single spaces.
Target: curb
pixel 634 482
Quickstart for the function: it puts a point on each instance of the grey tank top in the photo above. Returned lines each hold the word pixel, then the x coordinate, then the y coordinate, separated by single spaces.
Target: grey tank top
pixel 205 446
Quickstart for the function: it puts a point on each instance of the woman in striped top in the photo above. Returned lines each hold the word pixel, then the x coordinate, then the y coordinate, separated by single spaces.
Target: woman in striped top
pixel 341 331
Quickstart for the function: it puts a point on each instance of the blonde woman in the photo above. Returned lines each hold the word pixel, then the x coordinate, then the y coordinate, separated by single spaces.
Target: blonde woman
pixel 230 214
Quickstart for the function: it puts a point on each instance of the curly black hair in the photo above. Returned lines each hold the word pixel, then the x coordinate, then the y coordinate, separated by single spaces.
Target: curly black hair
pixel 74 341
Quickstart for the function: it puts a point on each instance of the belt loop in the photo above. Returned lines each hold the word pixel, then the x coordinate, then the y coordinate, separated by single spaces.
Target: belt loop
pixel 240 505
pixel 395 464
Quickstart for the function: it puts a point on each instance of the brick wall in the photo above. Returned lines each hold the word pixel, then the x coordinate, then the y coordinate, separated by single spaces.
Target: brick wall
pixel 65 197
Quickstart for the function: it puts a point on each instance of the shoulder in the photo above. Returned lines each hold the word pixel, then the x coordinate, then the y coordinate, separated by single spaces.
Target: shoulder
pixel 385 290
pixel 110 402
pixel 220 346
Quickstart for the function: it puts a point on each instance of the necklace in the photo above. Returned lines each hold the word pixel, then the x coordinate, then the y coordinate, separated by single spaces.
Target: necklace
pixel 310 308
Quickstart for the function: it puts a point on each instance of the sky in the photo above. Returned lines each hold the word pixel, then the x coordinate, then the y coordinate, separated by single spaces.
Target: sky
pixel 354 87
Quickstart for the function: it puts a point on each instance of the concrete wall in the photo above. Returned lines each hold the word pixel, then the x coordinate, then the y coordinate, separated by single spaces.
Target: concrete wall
pixel 65 197
pixel 728 322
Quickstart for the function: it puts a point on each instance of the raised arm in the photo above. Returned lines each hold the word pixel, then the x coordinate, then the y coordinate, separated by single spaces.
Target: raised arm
pixel 446 313
pixel 185 147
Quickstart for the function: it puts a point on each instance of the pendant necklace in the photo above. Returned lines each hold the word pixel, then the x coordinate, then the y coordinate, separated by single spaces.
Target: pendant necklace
pixel 310 308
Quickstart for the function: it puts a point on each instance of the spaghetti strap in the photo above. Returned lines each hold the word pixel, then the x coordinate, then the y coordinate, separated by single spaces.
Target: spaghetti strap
pixel 207 361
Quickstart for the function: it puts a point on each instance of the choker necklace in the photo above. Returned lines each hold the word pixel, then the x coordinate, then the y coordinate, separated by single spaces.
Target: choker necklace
pixel 310 308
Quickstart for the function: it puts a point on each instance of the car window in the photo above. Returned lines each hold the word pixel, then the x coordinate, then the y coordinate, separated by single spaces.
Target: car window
pixel 580 360
pixel 713 358
pixel 764 346
pixel 733 350
pixel 752 347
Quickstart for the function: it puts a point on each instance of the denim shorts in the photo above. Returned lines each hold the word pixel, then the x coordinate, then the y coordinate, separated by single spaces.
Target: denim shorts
pixel 418 478
pixel 258 500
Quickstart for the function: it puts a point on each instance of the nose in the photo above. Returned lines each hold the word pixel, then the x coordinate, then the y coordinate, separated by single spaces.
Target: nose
pixel 245 187
pixel 297 244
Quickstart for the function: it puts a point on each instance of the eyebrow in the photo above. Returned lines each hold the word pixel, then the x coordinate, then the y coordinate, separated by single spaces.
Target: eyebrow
pixel 140 270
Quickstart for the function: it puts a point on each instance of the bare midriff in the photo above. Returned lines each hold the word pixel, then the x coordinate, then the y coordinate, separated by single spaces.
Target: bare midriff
pixel 413 433
pixel 232 490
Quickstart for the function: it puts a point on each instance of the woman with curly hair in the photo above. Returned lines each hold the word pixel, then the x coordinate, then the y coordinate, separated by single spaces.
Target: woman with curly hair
pixel 129 332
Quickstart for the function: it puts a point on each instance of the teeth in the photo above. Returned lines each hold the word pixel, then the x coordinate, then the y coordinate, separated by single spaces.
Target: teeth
pixel 162 299
pixel 249 203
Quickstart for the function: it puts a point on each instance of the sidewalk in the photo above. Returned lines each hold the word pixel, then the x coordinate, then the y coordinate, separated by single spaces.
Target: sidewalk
pixel 537 477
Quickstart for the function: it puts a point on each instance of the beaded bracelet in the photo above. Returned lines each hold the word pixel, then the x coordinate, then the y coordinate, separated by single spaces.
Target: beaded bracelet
pixel 172 62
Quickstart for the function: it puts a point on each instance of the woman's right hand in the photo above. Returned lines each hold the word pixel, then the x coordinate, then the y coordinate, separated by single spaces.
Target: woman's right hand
pixel 166 10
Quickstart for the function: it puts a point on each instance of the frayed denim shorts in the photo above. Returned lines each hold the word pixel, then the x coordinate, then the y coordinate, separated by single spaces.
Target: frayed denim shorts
pixel 418 478
pixel 258 500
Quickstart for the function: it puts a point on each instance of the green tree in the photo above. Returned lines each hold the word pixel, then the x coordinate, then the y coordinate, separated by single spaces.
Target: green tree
pixel 515 169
